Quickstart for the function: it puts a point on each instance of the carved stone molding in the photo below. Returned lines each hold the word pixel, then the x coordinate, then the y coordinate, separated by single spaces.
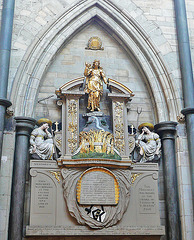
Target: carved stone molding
pixel 119 126
pixel 181 118
pixel 82 213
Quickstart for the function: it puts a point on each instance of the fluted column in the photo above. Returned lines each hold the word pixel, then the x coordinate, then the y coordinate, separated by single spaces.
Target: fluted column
pixel 167 132
pixel 24 126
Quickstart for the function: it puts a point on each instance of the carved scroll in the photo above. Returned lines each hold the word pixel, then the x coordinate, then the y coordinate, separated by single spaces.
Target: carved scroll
pixel 96 216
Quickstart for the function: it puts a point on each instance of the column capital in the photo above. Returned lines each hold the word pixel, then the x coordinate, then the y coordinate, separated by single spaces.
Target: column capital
pixel 5 102
pixel 186 111
pixel 166 129
pixel 24 125
pixel 72 94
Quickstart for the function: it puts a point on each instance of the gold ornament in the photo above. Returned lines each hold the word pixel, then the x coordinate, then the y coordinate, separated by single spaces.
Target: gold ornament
pixel 44 120
pixel 57 175
pixel 119 127
pixel 98 141
pixel 134 176
pixel 148 125
pixel 72 124
pixel 95 43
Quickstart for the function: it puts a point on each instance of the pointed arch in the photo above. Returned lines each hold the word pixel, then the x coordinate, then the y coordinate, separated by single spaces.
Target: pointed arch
pixel 122 27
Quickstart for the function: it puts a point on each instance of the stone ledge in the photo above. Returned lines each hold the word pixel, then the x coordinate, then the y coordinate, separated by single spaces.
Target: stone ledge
pixel 93 162
pixel 83 230
pixel 145 166
pixel 43 164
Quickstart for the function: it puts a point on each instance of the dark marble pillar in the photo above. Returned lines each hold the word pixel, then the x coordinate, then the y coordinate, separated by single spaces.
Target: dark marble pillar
pixel 189 115
pixel 186 77
pixel 4 103
pixel 24 126
pixel 167 132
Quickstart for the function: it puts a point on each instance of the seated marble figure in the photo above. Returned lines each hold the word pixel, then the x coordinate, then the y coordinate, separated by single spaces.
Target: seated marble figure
pixel 41 142
pixel 149 143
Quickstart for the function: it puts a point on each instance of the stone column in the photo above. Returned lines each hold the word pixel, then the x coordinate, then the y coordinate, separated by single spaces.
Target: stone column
pixel 4 103
pixel 24 126
pixel 5 51
pixel 167 131
pixel 189 116
pixel 187 77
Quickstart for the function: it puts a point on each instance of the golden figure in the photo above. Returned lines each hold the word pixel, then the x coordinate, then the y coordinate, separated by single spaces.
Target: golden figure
pixel 96 141
pixel 94 84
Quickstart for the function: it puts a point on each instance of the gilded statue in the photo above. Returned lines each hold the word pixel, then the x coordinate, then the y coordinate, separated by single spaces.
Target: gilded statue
pixel 149 143
pixel 94 84
pixel 96 140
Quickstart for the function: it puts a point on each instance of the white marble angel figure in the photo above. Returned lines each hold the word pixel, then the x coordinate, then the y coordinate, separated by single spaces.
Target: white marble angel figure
pixel 149 143
pixel 41 142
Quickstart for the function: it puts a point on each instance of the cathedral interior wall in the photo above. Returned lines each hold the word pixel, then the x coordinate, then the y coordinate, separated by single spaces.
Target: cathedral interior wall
pixel 157 18
pixel 70 62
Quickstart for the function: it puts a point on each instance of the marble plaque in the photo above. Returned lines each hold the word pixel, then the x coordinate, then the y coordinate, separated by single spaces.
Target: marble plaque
pixel 98 187
pixel 147 199
pixel 43 196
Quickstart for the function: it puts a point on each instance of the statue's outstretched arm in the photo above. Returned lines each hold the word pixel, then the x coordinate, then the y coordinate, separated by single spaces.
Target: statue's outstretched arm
pixel 87 69
pixel 104 77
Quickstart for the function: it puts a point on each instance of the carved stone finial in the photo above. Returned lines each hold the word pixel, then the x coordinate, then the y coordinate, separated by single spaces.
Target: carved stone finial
pixel 9 112
pixel 181 118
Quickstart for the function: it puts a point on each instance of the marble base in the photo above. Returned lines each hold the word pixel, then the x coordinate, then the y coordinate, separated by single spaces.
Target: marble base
pixel 50 216
pixel 95 114
pixel 83 231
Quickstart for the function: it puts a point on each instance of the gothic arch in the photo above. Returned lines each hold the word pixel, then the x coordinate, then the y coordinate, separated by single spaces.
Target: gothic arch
pixel 121 26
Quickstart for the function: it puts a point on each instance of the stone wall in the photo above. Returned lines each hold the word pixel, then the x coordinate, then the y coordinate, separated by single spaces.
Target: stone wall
pixel 157 19
pixel 117 64
pixel 31 17
pixel 5 181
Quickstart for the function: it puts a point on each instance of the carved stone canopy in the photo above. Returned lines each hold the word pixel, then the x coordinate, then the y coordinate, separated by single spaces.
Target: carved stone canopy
pixel 75 85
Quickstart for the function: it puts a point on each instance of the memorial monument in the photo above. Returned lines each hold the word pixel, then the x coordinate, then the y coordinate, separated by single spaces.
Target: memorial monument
pixel 97 185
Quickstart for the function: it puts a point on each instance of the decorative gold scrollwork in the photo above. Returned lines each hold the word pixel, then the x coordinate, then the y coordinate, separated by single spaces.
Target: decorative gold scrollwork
pixel 72 124
pixel 119 127
pixel 134 176
pixel 57 175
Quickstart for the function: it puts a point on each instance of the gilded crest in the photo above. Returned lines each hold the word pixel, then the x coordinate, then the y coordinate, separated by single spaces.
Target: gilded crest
pixel 95 43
